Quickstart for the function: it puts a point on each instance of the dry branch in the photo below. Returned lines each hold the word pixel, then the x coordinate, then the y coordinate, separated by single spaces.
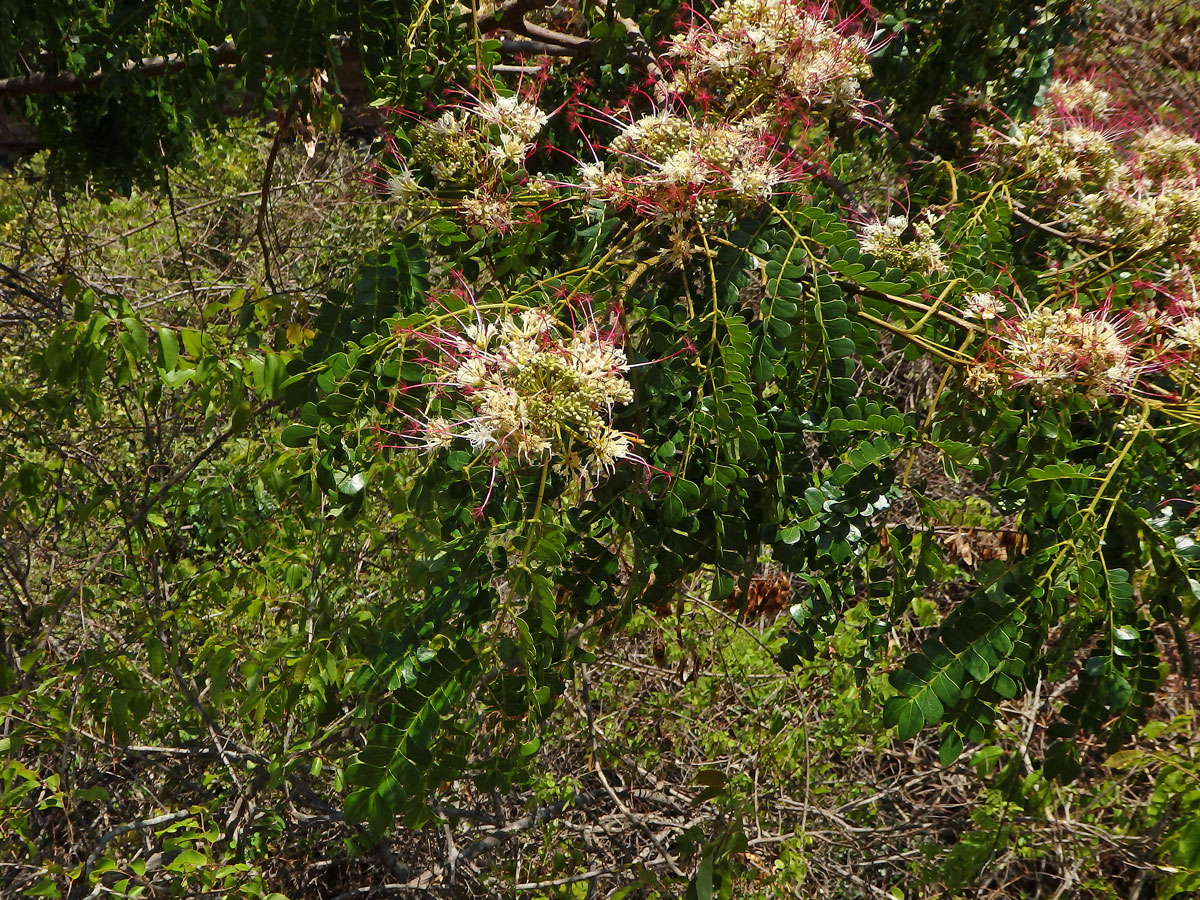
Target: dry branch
pixel 225 54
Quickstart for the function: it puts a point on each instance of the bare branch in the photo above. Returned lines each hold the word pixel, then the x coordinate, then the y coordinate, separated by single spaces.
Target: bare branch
pixel 508 14
pixel 540 48
pixel 226 54
pixel 106 839
pixel 150 67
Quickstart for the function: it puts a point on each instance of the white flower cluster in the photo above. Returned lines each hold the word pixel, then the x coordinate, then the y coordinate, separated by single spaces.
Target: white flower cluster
pixel 983 305
pixel 1187 333
pixel 1068 158
pixel 676 170
pixel 1168 217
pixel 1055 351
pixel 533 388
pixel 479 143
pixel 1164 153
pixel 1102 181
pixel 774 55
pixel 488 210
pixel 515 117
pixel 885 241
pixel 1080 97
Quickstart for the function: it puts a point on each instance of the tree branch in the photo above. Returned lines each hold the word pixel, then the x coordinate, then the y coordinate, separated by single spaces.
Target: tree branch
pixel 150 67
pixel 226 54
pixel 540 48
pixel 508 14
pixel 164 819
pixel 633 820
pixel 144 510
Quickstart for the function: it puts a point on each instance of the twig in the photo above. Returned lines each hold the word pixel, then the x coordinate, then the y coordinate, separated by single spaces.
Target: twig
pixel 140 516
pixel 106 839
pixel 491 841
pixel 226 54
pixel 370 889
pixel 150 67
pixel 260 227
pixel 508 14
pixel 525 823
pixel 475 815
pixel 559 882
pixel 633 820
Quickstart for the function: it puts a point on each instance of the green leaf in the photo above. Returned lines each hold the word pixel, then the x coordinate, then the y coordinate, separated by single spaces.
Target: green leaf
pixel 168 349
pixel 391 282
pixel 297 435
pixel 45 887
pixel 399 766
pixel 134 336
pixel 952 747
pixel 703 882
pixel 905 714
pixel 1125 633
pixel 187 859
pixel 350 485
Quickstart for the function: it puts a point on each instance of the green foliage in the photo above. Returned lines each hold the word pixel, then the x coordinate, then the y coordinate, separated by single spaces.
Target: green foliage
pixel 922 66
pixel 137 118
pixel 257 542
pixel 407 755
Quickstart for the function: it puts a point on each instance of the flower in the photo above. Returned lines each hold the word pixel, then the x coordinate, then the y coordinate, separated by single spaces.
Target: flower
pixel 488 211
pixel 984 305
pixel 479 145
pixel 1057 350
pixel 772 55
pixel 754 179
pixel 472 373
pixel 404 187
pixel 681 172
pixel 1187 333
pixel 521 118
pixel 529 388
pixel 1080 96
pixel 510 150
pixel 480 334
pixel 595 180
pixel 1101 179
pixel 438 433
pixel 885 240
pixel 608 446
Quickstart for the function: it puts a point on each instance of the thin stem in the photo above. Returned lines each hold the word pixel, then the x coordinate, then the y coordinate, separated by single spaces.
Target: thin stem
pixel 933 405
pixel 920 342
pixel 537 507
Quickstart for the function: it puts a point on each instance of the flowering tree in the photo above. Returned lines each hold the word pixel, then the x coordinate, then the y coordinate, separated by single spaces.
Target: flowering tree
pixel 706 302
pixel 639 349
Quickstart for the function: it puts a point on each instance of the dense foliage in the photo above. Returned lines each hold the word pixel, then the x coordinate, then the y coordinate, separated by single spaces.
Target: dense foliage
pixel 762 334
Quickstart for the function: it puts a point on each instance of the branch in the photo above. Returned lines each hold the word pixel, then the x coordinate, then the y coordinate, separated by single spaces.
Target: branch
pixel 12 278
pixel 488 843
pixel 125 829
pixel 633 820
pixel 144 510
pixel 226 54
pixel 548 42
pixel 454 813
pixel 260 227
pixel 550 36
pixel 508 14
pixel 540 48
pixel 150 67
pixel 643 49
pixel 538 817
